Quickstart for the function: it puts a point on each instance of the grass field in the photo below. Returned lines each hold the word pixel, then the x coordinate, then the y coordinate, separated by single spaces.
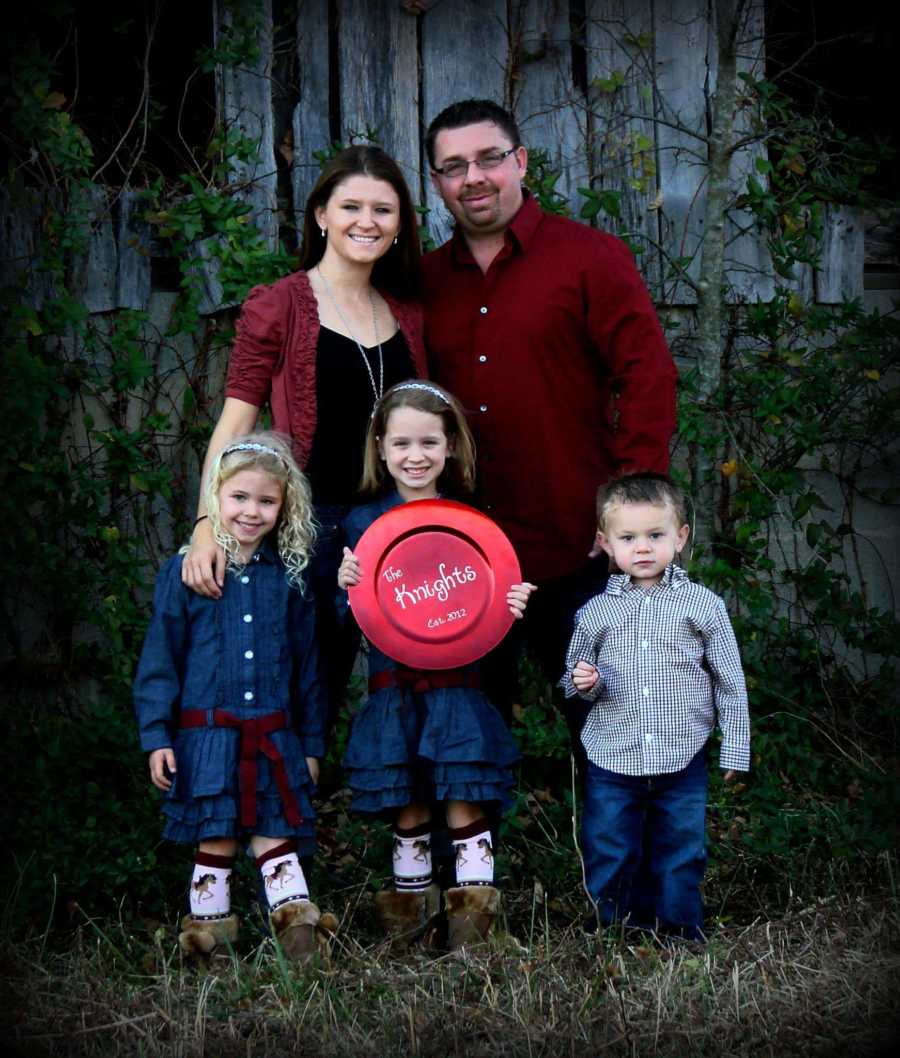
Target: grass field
pixel 816 979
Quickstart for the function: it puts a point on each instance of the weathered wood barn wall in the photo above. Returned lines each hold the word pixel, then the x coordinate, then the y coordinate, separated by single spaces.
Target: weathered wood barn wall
pixel 376 66
pixel 339 69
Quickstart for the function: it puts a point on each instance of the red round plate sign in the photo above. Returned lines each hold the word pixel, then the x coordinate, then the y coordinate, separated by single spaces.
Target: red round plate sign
pixel 435 574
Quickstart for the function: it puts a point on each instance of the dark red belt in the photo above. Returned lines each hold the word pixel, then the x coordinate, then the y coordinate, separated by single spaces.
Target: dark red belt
pixel 254 740
pixel 419 680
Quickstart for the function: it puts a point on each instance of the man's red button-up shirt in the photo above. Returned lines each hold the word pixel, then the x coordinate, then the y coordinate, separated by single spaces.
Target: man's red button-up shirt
pixel 559 359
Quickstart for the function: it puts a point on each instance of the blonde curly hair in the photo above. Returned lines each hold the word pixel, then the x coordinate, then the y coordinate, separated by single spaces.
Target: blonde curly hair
pixel 296 528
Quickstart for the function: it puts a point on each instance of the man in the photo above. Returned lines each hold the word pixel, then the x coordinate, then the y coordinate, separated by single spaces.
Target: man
pixel 545 331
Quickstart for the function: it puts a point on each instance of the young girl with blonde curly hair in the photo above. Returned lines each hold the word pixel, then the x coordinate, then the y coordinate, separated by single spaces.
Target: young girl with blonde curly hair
pixel 228 699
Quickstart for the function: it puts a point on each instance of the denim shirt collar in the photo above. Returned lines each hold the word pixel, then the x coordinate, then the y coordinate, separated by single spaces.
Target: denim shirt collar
pixel 267 550
pixel 392 498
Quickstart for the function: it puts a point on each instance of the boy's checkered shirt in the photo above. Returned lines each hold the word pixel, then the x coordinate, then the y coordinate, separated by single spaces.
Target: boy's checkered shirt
pixel 669 668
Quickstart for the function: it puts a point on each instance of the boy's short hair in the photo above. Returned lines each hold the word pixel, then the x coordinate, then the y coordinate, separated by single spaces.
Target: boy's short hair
pixel 644 487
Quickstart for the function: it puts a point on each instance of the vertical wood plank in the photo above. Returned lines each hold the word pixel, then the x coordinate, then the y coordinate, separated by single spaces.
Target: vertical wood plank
pixel 379 79
pixel 203 266
pixel 748 264
pixel 93 279
pixel 802 283
pixel 683 59
pixel 619 40
pixel 465 52
pixel 133 252
pixel 21 217
pixel 550 111
pixel 310 120
pixel 840 272
pixel 245 105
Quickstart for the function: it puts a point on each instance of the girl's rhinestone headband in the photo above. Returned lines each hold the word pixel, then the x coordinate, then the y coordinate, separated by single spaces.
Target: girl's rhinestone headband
pixel 423 386
pixel 252 446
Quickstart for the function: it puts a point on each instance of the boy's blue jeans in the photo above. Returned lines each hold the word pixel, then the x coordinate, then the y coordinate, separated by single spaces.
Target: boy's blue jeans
pixel 645 849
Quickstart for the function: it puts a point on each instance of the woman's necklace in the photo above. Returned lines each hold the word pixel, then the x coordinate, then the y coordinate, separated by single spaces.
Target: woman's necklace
pixel 379 391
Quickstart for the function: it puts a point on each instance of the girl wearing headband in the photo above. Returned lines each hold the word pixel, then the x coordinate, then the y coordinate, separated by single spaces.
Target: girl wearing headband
pixel 426 741
pixel 228 701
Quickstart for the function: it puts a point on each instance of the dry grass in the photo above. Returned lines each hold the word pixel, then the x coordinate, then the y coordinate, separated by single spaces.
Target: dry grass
pixel 821 981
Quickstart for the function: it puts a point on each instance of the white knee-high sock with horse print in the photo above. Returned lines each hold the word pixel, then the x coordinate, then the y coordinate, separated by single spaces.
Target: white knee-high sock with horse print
pixel 210 895
pixel 474 853
pixel 282 875
pixel 412 858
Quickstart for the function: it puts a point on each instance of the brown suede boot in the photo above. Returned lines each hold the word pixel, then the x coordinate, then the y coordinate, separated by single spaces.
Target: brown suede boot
pixel 300 929
pixel 470 914
pixel 200 939
pixel 409 917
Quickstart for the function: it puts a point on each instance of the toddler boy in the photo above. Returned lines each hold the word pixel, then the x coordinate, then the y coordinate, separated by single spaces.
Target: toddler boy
pixel 657 656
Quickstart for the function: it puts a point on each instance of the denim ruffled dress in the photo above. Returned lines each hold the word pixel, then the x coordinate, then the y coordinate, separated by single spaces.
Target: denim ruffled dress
pixel 248 655
pixel 440 744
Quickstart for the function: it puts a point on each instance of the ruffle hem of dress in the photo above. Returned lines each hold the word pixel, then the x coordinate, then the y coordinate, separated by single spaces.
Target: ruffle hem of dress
pixel 439 745
pixel 215 813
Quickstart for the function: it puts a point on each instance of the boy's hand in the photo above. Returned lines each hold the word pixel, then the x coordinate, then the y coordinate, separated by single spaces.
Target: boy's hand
pixel 729 776
pixel 312 765
pixel 161 761
pixel 517 598
pixel 349 573
pixel 584 676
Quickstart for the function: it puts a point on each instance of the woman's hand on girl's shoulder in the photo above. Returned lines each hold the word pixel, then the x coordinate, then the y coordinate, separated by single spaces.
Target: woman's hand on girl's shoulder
pixel 517 598
pixel 349 573
pixel 203 566
pixel 162 761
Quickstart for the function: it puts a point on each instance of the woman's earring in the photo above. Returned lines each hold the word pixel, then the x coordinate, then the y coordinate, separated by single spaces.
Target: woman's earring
pixel 395 240
pixel 323 232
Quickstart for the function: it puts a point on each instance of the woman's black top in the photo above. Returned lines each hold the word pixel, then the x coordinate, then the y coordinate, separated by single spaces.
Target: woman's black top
pixel 345 400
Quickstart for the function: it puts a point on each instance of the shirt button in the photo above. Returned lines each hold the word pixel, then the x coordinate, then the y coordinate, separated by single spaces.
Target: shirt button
pixel 482 407
pixel 482 359
pixel 245 580
pixel 248 654
pixel 483 310
pixel 648 737
pixel 644 644
pixel 248 617
pixel 248 696
pixel 646 692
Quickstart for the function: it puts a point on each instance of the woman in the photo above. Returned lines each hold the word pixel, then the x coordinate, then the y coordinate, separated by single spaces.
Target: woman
pixel 320 347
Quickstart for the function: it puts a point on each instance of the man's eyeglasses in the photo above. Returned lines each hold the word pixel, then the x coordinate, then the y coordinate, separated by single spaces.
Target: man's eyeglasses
pixel 488 160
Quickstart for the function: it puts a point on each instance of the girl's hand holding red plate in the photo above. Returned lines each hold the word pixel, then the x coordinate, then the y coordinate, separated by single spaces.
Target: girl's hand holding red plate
pixel 438 584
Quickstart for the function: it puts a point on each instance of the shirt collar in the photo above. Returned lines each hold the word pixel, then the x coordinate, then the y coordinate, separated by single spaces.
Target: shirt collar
pixel 518 235
pixel 389 499
pixel 392 498
pixel 673 579
pixel 267 550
